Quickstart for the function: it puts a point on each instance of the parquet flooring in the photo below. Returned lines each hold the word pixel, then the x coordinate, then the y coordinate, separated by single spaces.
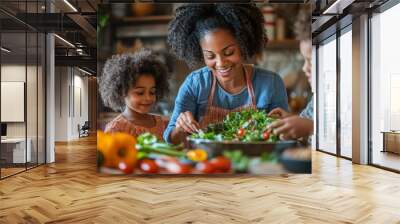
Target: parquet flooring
pixel 9 171
pixel 71 191
pixel 387 159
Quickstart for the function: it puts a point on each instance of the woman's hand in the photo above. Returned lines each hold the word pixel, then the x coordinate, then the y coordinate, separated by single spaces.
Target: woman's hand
pixel 187 123
pixel 279 113
pixel 292 127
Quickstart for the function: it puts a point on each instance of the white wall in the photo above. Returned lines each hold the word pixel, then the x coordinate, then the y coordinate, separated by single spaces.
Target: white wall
pixel 33 127
pixel 61 103
pixel 12 73
pixel 71 93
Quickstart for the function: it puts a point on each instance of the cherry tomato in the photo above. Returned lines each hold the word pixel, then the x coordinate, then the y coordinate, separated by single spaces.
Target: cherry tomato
pixel 148 166
pixel 205 167
pixel 266 135
pixel 178 168
pixel 127 168
pixel 221 164
pixel 240 132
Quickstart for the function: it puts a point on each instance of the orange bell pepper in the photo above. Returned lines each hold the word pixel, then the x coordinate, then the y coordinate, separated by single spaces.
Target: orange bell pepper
pixel 117 148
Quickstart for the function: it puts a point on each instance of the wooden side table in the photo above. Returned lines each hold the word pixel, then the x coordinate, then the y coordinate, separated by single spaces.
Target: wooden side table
pixel 391 141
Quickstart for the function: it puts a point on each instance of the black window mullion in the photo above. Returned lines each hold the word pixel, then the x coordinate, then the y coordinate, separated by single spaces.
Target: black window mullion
pixel 44 71
pixel 26 86
pixel 316 111
pixel 338 73
pixel 369 100
pixel 37 90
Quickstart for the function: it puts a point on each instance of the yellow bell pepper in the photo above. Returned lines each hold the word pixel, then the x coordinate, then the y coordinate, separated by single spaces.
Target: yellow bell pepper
pixel 197 155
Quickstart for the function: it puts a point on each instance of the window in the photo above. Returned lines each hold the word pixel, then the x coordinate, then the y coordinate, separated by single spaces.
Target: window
pixel 327 96
pixel 346 93
pixel 385 88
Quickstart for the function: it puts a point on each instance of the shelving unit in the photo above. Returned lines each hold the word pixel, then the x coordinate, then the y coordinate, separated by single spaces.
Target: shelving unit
pixel 143 31
pixel 160 19
pixel 141 27
pixel 156 26
pixel 283 44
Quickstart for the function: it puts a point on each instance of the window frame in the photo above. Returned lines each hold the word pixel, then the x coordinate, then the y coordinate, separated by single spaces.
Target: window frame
pixel 333 33
pixel 378 10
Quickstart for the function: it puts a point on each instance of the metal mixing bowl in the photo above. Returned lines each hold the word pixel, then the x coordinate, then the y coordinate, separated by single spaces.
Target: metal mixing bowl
pixel 215 148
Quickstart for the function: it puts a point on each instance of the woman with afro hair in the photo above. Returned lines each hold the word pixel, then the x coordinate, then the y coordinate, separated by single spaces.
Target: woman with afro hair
pixel 223 37
pixel 131 84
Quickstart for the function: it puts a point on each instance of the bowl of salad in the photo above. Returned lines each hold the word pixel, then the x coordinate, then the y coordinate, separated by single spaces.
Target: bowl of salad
pixel 245 130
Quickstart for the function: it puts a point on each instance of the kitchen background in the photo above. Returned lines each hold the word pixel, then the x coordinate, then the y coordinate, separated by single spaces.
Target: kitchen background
pixel 128 27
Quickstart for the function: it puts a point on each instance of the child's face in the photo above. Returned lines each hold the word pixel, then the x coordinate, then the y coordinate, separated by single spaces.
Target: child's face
pixel 142 96
pixel 306 51
pixel 221 54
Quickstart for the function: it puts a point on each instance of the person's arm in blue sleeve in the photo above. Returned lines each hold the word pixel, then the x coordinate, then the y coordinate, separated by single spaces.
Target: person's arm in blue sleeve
pixel 185 101
pixel 279 98
pixel 308 112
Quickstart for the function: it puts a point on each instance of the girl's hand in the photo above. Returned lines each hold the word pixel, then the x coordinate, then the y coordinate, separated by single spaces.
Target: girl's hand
pixel 292 127
pixel 187 123
pixel 278 113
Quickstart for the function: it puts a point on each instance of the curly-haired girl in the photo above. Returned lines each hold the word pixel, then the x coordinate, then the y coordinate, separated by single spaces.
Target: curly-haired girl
pixel 223 37
pixel 131 83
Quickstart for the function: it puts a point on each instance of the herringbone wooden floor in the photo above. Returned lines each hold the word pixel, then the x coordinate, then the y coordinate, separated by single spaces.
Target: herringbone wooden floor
pixel 71 191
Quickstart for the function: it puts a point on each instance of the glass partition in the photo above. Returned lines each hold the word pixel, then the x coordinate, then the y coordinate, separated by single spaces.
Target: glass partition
pixel 22 64
pixel 13 95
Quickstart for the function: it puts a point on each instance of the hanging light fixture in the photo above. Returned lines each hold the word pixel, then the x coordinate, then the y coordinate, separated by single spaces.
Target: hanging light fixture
pixel 70 5
pixel 5 50
pixel 84 71
pixel 65 41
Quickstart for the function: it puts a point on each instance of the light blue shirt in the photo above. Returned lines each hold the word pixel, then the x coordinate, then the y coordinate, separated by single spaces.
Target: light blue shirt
pixel 269 91
pixel 308 112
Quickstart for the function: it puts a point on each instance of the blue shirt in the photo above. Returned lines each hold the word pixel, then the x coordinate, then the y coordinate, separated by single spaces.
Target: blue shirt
pixel 308 112
pixel 269 91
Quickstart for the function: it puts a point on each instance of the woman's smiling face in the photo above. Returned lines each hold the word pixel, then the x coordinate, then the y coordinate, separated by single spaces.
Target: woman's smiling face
pixel 221 53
